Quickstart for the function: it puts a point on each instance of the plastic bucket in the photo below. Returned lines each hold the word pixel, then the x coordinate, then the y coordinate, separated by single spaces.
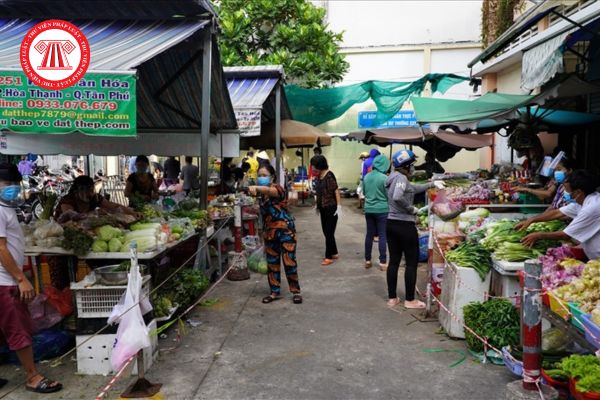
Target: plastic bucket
pixel 581 395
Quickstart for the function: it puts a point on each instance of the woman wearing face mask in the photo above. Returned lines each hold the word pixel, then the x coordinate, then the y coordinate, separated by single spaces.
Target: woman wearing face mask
pixel 328 205
pixel 279 234
pixel 401 231
pixel 581 192
pixel 141 186
pixel 559 177
pixel 83 199
pixel 552 187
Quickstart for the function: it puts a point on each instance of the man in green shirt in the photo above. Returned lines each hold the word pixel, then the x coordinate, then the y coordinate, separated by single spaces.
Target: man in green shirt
pixel 376 209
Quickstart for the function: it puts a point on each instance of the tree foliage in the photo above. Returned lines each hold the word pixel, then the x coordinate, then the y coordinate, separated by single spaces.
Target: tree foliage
pixel 496 17
pixel 292 33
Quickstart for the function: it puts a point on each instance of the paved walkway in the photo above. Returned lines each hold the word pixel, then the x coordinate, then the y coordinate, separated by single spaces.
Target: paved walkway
pixel 342 343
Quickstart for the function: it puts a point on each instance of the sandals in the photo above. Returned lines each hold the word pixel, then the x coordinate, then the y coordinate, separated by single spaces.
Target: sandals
pixel 414 305
pixel 297 299
pixel 270 299
pixel 368 264
pixel 45 386
pixel 393 302
pixel 327 261
pixel 383 266
pixel 336 257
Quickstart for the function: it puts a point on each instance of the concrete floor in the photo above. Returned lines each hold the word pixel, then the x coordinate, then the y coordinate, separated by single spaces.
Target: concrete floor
pixel 342 343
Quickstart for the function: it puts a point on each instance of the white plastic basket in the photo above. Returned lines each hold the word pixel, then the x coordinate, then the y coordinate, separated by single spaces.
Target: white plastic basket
pixel 97 301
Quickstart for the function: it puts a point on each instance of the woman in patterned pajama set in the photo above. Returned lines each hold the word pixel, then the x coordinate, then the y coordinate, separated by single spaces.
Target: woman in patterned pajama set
pixel 279 234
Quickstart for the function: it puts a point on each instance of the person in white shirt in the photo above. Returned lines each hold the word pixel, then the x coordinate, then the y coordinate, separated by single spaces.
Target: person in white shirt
pixel 15 289
pixel 581 190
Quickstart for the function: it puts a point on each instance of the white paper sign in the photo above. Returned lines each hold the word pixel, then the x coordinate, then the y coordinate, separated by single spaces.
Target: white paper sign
pixel 248 120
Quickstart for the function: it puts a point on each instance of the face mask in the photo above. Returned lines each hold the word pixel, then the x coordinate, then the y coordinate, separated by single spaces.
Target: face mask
pixel 559 176
pixel 263 180
pixel 142 170
pixel 10 195
pixel 567 197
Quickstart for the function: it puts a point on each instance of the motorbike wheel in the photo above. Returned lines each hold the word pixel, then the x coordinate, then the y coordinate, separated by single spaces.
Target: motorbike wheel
pixel 37 209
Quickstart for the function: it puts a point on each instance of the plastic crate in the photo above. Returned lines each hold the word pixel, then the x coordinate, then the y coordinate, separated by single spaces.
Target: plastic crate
pixel 576 314
pixel 97 301
pixel 591 329
pixel 558 307
pixel 93 357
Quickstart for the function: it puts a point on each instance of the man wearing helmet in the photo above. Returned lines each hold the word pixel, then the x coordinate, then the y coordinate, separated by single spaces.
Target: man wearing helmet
pixel 401 230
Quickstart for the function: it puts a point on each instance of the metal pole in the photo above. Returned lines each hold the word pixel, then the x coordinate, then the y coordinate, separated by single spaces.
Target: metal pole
pixel 278 132
pixel 205 128
pixel 531 324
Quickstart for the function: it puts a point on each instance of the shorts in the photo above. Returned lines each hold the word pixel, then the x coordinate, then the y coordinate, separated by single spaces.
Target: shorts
pixel 15 321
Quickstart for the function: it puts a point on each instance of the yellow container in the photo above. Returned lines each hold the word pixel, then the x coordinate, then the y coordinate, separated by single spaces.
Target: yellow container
pixel 559 307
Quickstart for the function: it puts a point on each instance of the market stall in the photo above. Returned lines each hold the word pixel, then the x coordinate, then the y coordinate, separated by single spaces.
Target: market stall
pixel 476 277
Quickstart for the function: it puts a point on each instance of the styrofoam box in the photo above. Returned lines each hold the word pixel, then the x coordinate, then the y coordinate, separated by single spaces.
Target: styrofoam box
pixel 455 296
pixel 506 284
pixel 93 358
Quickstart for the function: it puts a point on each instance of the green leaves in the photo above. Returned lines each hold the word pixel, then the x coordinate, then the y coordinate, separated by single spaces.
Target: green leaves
pixel 497 320
pixel 287 32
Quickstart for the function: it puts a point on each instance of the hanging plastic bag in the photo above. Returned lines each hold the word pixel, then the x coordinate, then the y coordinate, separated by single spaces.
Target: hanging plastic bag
pixel 43 314
pixel 446 208
pixel 132 334
pixel 257 261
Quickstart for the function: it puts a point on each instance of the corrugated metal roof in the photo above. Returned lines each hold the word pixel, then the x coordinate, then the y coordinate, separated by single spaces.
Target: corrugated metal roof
pixel 250 93
pixel 160 51
pixel 115 45
pixel 106 9
pixel 254 71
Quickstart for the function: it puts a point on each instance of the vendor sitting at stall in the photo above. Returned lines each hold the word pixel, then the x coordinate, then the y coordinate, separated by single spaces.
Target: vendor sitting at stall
pixel 83 199
pixel 584 207
pixel 141 186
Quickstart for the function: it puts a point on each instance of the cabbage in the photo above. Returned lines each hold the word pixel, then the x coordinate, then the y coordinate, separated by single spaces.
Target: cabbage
pixel 108 232
pixel 143 243
pixel 114 245
pixel 139 226
pixel 99 246
pixel 474 214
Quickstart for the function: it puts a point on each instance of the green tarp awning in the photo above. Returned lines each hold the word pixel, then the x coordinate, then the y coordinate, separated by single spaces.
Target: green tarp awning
pixel 435 110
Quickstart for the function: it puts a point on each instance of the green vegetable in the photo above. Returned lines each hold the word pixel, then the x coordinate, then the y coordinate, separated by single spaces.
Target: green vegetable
pixel 123 266
pixel 48 200
pixel 585 370
pixel 474 214
pixel 549 226
pixel 519 252
pixel 162 306
pixel 177 229
pixel 471 255
pixel 496 319
pixel 557 374
pixel 114 245
pixel 99 246
pixel 187 286
pixel 107 232
pixel 143 243
pixel 77 240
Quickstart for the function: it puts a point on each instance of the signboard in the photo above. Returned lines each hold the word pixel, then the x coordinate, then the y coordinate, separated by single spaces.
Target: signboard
pixel 366 119
pixel 99 104
pixel 248 120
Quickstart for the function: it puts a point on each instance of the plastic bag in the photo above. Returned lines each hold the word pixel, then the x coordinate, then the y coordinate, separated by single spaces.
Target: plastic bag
pixel 43 314
pixel 49 242
pixel 51 229
pixel 132 334
pixel 62 301
pixel 445 208
pixel 257 261
pixel 554 339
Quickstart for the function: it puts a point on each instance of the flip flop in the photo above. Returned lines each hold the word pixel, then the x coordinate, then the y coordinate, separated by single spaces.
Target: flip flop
pixel 368 264
pixel 419 305
pixel 336 257
pixel 270 299
pixel 45 386
pixel 327 261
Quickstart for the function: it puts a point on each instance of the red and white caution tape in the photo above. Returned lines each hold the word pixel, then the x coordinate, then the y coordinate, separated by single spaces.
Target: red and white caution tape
pixel 115 378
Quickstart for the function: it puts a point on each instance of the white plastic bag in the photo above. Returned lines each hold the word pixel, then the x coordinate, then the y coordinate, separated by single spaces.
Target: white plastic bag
pixel 132 334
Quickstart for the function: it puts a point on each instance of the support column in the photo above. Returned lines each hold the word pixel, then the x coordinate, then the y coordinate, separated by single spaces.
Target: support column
pixel 205 128
pixel 278 132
